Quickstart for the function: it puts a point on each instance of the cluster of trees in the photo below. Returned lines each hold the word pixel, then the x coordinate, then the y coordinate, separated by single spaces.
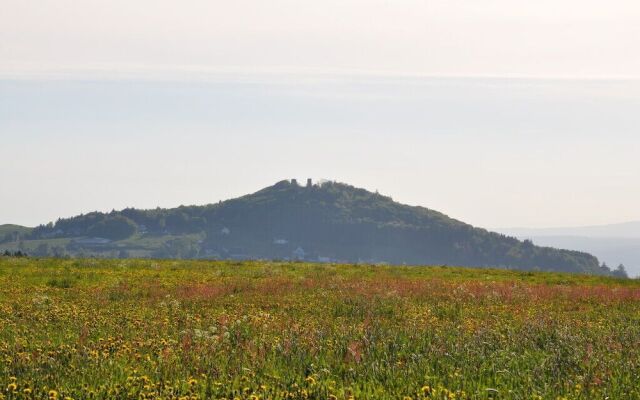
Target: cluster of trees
pixel 114 227
pixel 619 272
pixel 118 225
pixel 17 254
pixel 179 248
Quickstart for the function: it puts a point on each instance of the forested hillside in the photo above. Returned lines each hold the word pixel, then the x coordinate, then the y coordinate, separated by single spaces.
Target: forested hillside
pixel 318 222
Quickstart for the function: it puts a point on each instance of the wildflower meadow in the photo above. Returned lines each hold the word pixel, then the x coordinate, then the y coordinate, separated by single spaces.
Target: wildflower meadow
pixel 173 329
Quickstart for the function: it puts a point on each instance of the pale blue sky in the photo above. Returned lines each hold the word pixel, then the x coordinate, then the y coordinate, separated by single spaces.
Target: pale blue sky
pixel 493 152
pixel 499 113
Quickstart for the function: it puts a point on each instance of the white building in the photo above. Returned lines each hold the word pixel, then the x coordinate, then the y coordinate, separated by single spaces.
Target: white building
pixel 299 254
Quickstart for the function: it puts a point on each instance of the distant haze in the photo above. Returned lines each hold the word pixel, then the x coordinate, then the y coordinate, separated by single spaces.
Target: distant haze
pixel 627 230
pixel 613 244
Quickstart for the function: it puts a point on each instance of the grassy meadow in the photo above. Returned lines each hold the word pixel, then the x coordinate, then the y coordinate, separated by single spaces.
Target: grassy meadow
pixel 143 329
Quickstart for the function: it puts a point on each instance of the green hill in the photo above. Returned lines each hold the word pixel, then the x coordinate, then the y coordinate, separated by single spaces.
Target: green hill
pixel 326 222
pixel 12 233
pixel 10 228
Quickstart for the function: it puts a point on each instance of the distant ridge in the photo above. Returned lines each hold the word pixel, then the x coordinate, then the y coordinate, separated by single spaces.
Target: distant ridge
pixel 613 244
pixel 317 222
pixel 6 228
pixel 622 230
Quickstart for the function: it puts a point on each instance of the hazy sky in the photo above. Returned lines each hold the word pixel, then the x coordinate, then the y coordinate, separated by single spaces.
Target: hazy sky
pixel 499 113
pixel 565 38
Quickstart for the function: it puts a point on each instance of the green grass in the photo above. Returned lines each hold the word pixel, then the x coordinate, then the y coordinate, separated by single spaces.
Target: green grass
pixel 10 228
pixel 133 329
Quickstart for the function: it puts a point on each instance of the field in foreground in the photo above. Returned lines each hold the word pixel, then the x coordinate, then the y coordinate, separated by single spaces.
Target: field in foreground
pixel 188 329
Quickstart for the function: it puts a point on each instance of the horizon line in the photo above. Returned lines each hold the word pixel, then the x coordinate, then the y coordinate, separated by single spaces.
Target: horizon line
pixel 195 73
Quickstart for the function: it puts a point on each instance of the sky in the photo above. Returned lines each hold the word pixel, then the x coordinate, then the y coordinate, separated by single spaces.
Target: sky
pixel 500 113
pixel 552 38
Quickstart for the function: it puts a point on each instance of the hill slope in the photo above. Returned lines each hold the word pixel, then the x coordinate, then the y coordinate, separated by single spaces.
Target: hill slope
pixel 11 228
pixel 327 222
pixel 11 232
